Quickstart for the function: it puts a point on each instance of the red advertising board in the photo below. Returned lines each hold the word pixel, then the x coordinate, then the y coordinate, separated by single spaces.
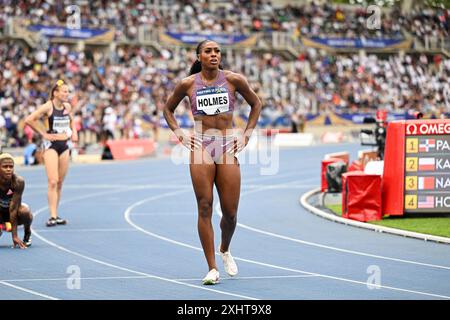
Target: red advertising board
pixel 131 149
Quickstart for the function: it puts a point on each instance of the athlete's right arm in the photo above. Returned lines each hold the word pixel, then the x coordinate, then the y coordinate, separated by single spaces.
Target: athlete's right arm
pixel 33 121
pixel 175 98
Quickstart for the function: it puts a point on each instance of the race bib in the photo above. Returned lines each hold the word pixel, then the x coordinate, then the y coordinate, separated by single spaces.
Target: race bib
pixel 61 124
pixel 213 100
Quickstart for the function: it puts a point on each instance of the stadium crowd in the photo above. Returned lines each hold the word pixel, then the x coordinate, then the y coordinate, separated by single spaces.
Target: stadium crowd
pixel 123 91
pixel 120 93
pixel 231 17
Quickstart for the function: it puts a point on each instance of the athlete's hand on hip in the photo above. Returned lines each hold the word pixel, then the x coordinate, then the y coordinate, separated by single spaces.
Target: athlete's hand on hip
pixel 189 140
pixel 238 144
pixel 18 242
pixel 50 137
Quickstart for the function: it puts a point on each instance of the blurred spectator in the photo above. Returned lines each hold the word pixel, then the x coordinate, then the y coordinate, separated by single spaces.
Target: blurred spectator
pixel 2 130
pixel 32 154
pixel 109 123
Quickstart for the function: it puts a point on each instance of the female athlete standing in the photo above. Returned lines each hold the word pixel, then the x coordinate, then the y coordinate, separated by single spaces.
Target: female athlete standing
pixel 61 129
pixel 213 146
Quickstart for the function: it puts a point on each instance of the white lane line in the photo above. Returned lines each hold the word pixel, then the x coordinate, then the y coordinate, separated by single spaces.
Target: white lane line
pixel 244 226
pixel 278 186
pixel 245 180
pixel 145 277
pixel 28 290
pixel 185 213
pixel 116 186
pixel 314 244
pixel 182 184
pixel 65 230
pixel 36 234
pixel 75 278
pixel 257 278
pixel 162 187
pixel 275 235
pixel 179 243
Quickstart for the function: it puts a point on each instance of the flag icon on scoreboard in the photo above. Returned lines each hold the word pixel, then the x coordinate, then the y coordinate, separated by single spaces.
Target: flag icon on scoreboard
pixel 426 183
pixel 427 144
pixel 426 164
pixel 426 202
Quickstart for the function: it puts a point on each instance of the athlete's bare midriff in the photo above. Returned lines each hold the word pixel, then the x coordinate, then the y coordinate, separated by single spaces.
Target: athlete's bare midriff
pixel 217 124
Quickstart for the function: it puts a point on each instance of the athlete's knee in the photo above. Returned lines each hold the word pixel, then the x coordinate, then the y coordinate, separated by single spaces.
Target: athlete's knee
pixel 25 215
pixel 52 183
pixel 205 207
pixel 229 210
pixel 230 216
pixel 60 183
pixel 25 219
pixel 24 209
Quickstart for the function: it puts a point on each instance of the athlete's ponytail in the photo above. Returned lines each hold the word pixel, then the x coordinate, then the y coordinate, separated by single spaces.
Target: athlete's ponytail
pixel 196 67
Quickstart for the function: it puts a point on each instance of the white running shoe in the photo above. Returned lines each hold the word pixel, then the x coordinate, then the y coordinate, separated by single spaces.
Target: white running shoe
pixel 211 278
pixel 228 263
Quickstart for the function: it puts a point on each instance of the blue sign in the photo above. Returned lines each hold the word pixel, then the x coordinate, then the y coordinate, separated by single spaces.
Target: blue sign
pixel 194 38
pixel 358 118
pixel 359 42
pixel 61 32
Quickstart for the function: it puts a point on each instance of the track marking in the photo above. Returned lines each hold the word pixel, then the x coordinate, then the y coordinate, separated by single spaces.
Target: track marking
pixel 145 277
pixel 28 290
pixel 85 230
pixel 257 278
pixel 36 234
pixel 82 278
pixel 138 203
pixel 275 235
pixel 314 274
